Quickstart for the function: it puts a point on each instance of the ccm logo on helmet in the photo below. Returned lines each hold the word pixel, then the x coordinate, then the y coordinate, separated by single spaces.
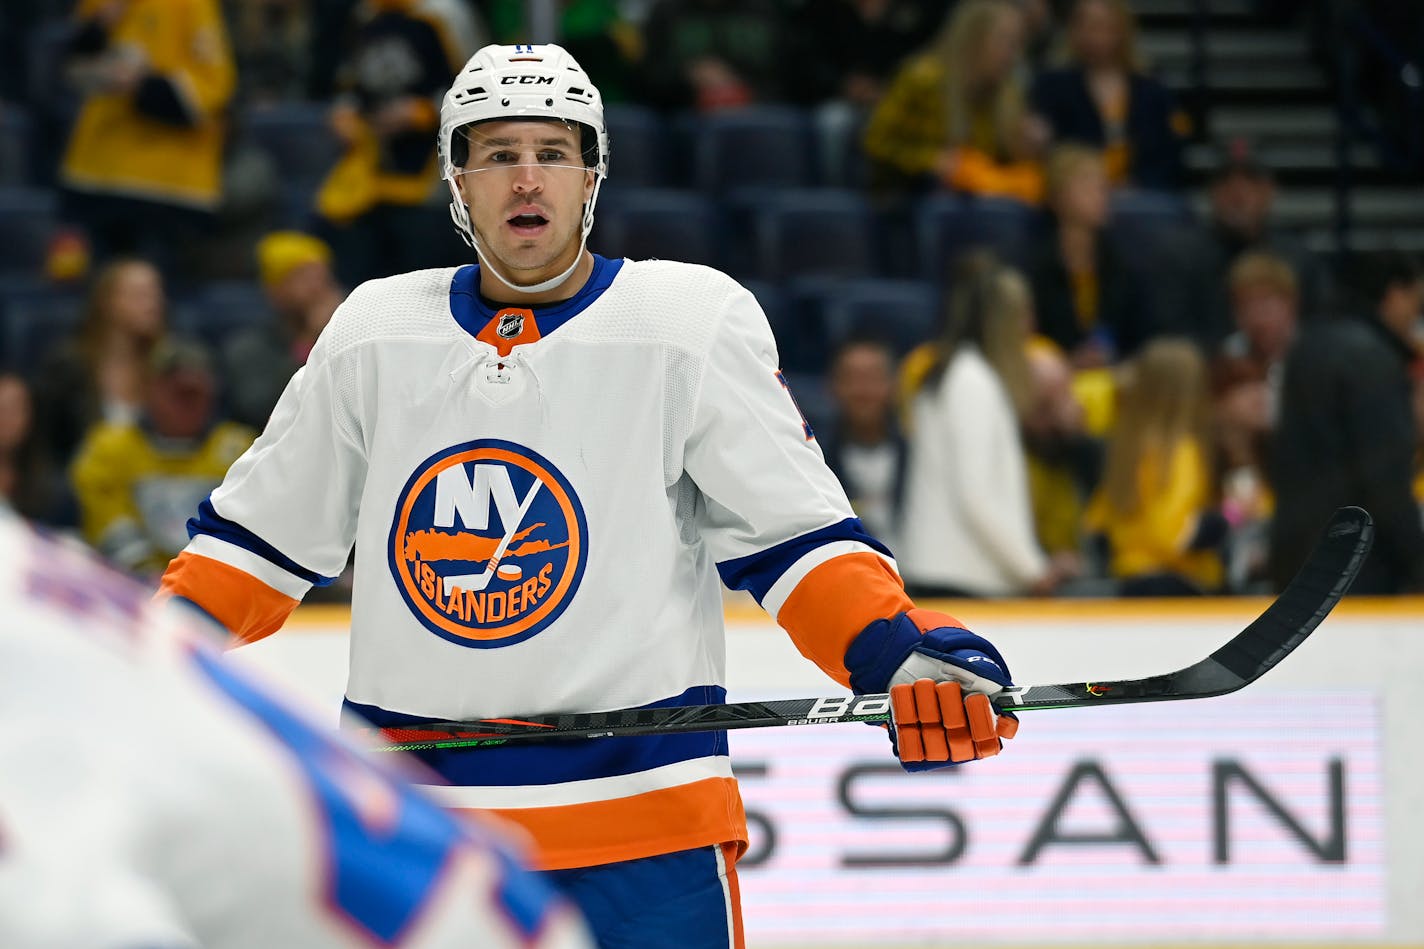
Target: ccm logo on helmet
pixel 488 543
pixel 526 80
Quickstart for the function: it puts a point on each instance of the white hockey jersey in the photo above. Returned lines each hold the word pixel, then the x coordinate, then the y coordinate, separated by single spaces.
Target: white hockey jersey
pixel 541 503
pixel 151 795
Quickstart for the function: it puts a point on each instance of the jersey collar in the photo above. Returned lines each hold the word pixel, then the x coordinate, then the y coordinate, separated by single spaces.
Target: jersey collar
pixel 474 314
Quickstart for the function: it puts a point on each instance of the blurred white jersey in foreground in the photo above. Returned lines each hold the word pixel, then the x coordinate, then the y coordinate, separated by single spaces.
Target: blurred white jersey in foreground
pixel 151 796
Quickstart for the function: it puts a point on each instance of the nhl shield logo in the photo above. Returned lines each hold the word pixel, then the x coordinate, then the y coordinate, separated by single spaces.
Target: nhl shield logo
pixel 488 543
pixel 510 325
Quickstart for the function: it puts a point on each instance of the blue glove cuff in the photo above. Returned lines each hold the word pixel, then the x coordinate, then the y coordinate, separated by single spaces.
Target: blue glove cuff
pixel 879 649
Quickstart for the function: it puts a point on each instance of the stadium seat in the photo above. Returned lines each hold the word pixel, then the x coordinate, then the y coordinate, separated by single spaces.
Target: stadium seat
pixel 948 225
pixel 805 232
pixel 217 310
pixel 638 146
pixel 34 316
pixel 296 136
pixel 758 146
pixel 657 223
pixel 902 311
pixel 28 220
pixel 15 146
pixel 1134 214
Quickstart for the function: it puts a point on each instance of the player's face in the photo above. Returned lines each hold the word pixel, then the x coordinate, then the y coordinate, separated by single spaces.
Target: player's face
pixel 525 185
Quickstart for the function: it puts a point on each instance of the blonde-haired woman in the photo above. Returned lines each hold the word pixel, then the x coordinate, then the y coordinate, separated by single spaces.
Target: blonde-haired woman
pixel 956 114
pixel 1102 96
pixel 1156 503
pixel 1088 301
pixel 968 526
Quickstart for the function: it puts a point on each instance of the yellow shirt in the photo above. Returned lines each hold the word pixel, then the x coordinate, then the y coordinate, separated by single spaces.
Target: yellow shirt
pixel 1154 538
pixel 115 149
pixel 136 494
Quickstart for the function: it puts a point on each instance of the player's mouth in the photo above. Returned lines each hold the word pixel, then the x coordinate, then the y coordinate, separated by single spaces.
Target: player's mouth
pixel 528 223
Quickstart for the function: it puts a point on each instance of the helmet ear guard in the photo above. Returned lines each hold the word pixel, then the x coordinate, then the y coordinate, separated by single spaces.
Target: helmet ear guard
pixel 536 83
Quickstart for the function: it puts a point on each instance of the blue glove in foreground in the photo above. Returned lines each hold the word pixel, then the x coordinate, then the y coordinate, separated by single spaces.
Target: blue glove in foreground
pixel 940 678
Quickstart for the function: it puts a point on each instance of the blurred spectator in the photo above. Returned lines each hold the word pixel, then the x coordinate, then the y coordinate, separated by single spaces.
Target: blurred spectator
pixel 378 203
pixel 713 54
pixel 30 482
pixel 967 526
pixel 1088 301
pixel 144 164
pixel 1242 194
pixel 1103 97
pixel 1064 461
pixel 1347 435
pixel 955 114
pixel 138 482
pixel 270 40
pixel 97 375
pixel 296 275
pixel 606 43
pixel 846 52
pixel 1246 378
pixel 1156 504
pixel 863 444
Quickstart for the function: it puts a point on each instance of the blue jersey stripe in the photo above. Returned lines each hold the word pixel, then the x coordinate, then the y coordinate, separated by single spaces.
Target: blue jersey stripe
pixel 473 313
pixel 514 765
pixel 757 573
pixel 210 522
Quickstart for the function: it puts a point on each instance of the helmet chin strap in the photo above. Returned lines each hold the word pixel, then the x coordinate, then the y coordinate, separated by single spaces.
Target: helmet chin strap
pixel 542 285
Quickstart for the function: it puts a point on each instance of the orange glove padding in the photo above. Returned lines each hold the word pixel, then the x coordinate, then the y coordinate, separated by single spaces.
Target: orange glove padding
pixel 936 721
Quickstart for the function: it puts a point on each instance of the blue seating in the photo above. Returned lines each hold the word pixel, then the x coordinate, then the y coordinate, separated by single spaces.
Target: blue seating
pixel 811 231
pixel 948 225
pixel 297 137
pixel 34 316
pixel 28 221
pixel 657 223
pixel 15 146
pixel 219 309
pixel 903 311
pixel 759 146
pixel 639 147
pixel 1135 216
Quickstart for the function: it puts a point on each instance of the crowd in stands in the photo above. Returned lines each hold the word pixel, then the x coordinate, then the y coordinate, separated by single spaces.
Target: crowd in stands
pixel 1036 370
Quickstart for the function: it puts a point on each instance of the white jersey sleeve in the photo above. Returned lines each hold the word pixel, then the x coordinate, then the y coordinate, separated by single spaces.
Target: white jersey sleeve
pixel 152 795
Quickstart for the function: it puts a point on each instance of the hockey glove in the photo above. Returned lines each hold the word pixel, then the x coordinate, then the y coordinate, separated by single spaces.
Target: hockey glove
pixel 940 678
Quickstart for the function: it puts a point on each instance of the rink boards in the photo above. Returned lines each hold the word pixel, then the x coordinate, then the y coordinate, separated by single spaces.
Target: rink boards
pixel 1291 813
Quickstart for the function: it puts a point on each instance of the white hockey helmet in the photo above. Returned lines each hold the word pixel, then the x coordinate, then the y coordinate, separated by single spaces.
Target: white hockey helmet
pixel 521 82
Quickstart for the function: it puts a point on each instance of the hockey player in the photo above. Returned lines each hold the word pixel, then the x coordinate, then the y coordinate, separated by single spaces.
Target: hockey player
pixel 151 795
pixel 546 461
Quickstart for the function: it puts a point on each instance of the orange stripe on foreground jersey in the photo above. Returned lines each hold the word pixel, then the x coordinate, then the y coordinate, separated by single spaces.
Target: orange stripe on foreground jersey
pixel 244 605
pixel 835 601
pixel 700 814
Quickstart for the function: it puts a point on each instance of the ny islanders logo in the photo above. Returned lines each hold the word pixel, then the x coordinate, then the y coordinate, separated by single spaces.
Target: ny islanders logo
pixel 488 544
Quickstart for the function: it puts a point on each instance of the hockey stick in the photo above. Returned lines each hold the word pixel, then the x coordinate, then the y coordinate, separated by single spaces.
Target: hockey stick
pixel 1253 652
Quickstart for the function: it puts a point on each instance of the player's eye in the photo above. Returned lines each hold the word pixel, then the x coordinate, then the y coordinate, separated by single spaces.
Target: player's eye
pixel 552 155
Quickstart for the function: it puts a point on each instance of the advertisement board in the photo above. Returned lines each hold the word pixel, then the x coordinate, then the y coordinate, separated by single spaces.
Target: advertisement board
pixel 1178 821
pixel 1291 812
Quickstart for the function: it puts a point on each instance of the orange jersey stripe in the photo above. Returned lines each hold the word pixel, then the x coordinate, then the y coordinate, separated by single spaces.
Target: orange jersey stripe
pixel 246 606
pixel 700 814
pixel 731 852
pixel 835 601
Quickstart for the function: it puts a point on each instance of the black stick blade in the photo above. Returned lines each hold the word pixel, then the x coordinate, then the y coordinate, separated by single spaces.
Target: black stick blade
pixel 1305 602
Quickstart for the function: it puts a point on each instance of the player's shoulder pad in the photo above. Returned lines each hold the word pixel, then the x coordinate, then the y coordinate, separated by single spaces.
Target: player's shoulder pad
pixel 410 305
pixel 679 304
